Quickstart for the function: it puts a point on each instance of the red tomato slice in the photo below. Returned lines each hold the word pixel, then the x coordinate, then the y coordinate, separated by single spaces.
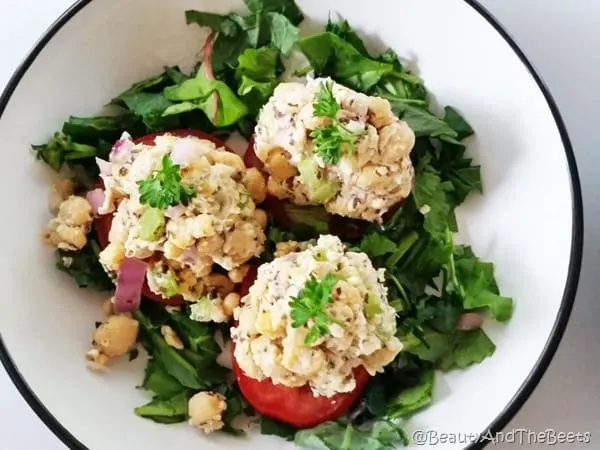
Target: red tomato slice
pixel 103 224
pixel 149 138
pixel 250 158
pixel 297 406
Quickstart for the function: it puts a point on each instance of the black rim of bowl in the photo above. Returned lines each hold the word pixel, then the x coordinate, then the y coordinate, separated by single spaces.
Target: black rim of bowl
pixel 564 312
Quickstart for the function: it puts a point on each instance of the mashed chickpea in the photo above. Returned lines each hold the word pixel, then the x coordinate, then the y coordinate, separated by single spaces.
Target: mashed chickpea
pixel 363 184
pixel 362 328
pixel 220 225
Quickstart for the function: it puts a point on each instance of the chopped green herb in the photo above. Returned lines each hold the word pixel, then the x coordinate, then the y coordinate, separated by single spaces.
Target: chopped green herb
pixel 331 141
pixel 310 304
pixel 164 187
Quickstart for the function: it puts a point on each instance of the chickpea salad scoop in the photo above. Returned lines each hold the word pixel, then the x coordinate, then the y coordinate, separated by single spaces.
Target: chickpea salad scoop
pixel 304 284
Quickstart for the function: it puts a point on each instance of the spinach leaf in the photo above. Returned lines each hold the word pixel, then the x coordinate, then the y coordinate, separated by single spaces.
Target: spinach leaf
pixel 430 195
pixel 175 364
pixel 148 106
pixel 453 118
pixel 422 121
pixel 345 31
pixel 92 130
pixel 375 245
pixel 284 34
pixel 287 8
pixel 84 267
pixel 196 335
pixel 474 282
pixel 330 55
pixel 380 435
pixel 259 64
pixel 196 94
pixel 272 427
pixel 236 406
pixel 255 93
pixel 468 348
pixel 154 84
pixel 158 381
pixel 169 411
pixel 220 23
pixel 414 398
pixel 61 148
pixel 447 351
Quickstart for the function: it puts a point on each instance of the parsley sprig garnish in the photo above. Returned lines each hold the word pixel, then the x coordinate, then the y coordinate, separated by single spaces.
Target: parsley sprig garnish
pixel 310 303
pixel 164 187
pixel 331 140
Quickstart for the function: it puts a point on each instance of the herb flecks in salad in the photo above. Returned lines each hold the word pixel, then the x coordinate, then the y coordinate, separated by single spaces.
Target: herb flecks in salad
pixel 313 282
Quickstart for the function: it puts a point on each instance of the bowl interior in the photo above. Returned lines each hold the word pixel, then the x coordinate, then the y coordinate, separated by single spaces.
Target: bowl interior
pixel 522 223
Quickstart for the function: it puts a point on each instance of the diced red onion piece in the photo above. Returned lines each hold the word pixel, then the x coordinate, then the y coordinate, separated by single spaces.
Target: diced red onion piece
pixel 183 151
pixel 104 166
pixel 237 143
pixel 174 212
pixel 122 147
pixel 96 199
pixel 129 285
pixel 469 321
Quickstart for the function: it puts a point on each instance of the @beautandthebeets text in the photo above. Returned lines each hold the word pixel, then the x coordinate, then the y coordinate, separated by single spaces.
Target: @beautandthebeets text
pixel 517 436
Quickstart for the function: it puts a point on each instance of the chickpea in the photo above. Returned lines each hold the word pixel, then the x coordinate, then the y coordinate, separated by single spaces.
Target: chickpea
pixel 244 242
pixel 171 338
pixel 210 245
pixel 75 211
pixel 96 360
pixel 112 256
pixel 206 411
pixel 220 283
pixel 396 142
pixel 277 188
pixel 70 238
pixel 230 302
pixel 61 190
pixel 116 336
pixel 380 112
pixel 255 183
pixel 239 273
pixel 108 307
pixel 278 164
pixel 284 248
pixel 261 217
pixel 172 251
pixel 229 159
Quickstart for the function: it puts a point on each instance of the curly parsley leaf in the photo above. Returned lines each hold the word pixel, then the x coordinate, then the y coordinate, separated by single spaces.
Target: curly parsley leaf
pixel 164 187
pixel 330 141
pixel 310 304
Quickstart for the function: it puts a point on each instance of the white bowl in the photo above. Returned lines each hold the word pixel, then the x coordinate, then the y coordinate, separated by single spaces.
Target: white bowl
pixel 529 222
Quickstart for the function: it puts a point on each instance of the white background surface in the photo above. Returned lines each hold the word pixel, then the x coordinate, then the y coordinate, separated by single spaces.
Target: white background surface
pixel 562 39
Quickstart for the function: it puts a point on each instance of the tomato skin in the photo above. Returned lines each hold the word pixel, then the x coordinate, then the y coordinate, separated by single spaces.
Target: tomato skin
pixel 250 158
pixel 149 138
pixel 297 406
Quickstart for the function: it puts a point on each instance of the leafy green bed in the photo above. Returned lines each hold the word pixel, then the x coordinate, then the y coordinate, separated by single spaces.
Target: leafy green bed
pixel 432 282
